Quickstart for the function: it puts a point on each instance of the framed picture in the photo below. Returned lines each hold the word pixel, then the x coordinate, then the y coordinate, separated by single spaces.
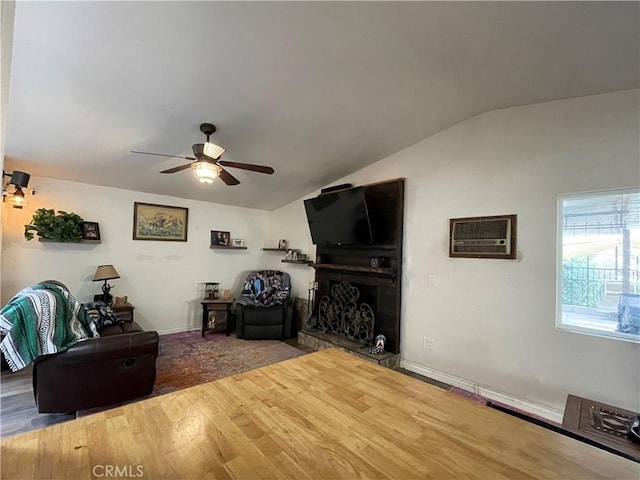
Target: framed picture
pixel 220 238
pixel 159 222
pixel 90 231
pixel 282 244
pixel 237 242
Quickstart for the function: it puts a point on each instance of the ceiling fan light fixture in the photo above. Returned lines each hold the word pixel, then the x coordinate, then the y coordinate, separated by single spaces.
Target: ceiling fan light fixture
pixel 206 172
pixel 212 150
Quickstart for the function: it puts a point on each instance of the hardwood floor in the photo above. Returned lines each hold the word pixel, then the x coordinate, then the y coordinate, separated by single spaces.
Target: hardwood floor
pixel 19 414
pixel 323 415
pixel 18 411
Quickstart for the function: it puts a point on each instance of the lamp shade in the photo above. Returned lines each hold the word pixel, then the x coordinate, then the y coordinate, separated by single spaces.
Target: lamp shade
pixel 212 150
pixel 19 179
pixel 206 172
pixel 105 272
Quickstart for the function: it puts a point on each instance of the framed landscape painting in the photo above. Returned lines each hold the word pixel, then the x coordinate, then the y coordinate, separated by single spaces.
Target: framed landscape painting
pixel 159 222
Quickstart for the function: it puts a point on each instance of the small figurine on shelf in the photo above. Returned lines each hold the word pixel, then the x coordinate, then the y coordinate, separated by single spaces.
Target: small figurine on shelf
pixel 212 322
pixel 289 255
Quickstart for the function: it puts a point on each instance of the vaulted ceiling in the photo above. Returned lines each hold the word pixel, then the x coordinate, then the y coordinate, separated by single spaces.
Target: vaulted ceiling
pixel 314 89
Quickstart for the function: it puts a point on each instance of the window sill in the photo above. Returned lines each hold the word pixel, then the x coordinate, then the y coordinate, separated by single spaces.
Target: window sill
pixel 625 337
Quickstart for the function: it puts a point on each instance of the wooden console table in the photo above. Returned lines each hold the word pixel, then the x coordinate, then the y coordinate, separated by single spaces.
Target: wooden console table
pixel 601 423
pixel 217 305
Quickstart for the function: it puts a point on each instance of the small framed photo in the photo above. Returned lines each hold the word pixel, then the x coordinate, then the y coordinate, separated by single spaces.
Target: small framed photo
pixel 282 244
pixel 90 231
pixel 237 242
pixel 302 257
pixel 220 238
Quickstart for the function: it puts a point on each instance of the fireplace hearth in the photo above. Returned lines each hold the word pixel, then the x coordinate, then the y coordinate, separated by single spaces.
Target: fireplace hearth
pixel 319 341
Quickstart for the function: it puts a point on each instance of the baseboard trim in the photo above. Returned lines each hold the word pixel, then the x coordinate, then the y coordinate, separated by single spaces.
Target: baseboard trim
pixel 544 411
pixel 186 328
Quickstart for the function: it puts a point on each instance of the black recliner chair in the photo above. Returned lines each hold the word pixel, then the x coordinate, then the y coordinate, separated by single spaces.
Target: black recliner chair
pixel 264 310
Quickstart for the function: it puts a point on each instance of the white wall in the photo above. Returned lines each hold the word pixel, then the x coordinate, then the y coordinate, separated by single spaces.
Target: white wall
pixel 162 279
pixel 290 222
pixel 7 14
pixel 493 321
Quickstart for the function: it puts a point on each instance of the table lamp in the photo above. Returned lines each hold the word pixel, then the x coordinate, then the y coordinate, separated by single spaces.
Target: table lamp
pixel 105 272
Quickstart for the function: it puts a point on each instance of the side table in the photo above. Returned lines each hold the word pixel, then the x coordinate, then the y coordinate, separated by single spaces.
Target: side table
pixel 124 311
pixel 601 424
pixel 217 305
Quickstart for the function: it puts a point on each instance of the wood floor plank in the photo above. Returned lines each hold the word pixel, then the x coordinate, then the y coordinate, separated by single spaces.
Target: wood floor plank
pixel 324 415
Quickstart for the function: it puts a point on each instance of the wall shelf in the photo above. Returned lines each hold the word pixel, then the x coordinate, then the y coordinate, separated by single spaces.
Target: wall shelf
pixel 227 247
pixel 302 262
pixel 275 249
pixel 355 268
pixel 48 240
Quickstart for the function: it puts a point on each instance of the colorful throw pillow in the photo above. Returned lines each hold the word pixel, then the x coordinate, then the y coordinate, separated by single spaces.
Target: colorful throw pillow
pixel 101 314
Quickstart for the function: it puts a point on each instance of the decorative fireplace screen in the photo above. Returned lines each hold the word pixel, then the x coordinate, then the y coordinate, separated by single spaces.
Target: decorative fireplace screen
pixel 340 313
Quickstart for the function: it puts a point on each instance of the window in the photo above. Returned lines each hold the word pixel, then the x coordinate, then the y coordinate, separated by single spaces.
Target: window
pixel 599 263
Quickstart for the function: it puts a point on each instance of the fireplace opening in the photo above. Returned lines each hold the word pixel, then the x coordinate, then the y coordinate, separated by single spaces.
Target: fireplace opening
pixel 349 310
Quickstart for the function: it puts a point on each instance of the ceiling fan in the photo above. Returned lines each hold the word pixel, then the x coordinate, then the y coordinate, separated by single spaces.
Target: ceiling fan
pixel 206 163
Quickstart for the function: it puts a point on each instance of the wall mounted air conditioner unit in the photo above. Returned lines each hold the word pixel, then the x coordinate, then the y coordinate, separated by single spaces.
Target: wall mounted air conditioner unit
pixel 483 237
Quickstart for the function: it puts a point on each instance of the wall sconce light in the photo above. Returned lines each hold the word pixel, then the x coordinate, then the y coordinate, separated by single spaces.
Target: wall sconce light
pixel 16 197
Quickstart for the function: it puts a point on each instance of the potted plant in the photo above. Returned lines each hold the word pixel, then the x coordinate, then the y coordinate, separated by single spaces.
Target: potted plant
pixel 61 227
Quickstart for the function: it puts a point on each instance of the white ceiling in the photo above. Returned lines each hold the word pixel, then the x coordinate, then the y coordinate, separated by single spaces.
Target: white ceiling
pixel 316 90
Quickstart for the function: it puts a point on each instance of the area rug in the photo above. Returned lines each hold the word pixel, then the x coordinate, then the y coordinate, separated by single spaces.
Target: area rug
pixel 186 359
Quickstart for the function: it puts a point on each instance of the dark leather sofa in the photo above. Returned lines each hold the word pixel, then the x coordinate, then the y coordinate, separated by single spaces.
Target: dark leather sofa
pixel 118 366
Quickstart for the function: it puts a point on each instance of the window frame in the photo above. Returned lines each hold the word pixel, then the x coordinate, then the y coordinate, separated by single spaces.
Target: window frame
pixel 560 325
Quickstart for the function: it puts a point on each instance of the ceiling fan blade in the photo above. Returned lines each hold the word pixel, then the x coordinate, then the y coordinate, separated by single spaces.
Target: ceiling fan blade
pixel 162 155
pixel 177 169
pixel 247 166
pixel 227 178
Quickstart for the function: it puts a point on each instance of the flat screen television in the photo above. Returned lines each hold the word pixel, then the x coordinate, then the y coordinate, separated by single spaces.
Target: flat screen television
pixel 339 218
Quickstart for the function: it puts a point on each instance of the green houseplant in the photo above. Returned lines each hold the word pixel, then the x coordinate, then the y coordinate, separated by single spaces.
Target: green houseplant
pixel 62 227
